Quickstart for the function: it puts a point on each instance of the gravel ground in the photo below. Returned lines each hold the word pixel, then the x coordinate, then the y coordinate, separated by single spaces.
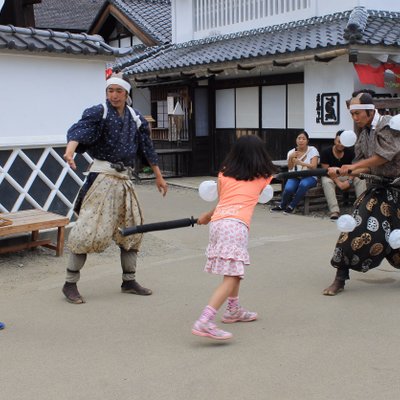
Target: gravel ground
pixel 38 263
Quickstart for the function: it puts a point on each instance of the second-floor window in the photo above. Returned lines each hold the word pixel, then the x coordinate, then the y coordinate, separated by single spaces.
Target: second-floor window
pixel 213 14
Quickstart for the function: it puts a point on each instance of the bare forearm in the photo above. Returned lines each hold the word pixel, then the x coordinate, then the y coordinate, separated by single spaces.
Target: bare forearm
pixel 160 182
pixel 362 165
pixel 69 153
pixel 205 218
pixel 374 161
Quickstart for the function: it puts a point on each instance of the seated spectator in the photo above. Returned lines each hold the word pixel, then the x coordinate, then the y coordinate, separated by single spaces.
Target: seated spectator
pixel 299 158
pixel 336 156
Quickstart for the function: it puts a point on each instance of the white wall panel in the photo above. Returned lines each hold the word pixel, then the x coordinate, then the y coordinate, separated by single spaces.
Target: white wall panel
pixel 296 106
pixel 247 112
pixel 274 107
pixel 225 108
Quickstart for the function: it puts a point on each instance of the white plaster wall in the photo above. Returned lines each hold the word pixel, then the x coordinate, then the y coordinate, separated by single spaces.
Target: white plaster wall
pixel 43 96
pixel 183 16
pixel 337 76
pixel 329 7
pixel 182 20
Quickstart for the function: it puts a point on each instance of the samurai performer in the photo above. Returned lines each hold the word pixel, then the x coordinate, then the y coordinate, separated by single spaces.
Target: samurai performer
pixel 111 134
pixel 376 212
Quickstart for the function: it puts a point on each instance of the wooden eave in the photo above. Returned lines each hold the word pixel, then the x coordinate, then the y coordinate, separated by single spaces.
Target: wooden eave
pixel 111 10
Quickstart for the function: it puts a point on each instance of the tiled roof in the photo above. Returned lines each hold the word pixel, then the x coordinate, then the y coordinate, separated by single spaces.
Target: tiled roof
pixel 153 17
pixel 37 40
pixel 70 15
pixel 139 52
pixel 327 32
pixel 377 28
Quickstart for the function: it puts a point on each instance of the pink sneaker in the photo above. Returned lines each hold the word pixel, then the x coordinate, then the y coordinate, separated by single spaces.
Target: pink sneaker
pixel 240 315
pixel 210 330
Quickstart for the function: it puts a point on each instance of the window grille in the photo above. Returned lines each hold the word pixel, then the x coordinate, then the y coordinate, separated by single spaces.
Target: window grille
pixel 214 14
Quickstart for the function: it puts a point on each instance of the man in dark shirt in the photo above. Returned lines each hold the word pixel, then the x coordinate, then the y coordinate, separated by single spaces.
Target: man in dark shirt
pixel 336 156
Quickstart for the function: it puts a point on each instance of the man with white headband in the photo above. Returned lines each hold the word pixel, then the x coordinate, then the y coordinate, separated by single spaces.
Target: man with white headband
pixel 112 134
pixel 377 212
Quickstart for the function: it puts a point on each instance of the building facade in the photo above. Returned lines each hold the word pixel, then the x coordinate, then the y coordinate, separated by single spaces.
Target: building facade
pixel 47 79
pixel 262 67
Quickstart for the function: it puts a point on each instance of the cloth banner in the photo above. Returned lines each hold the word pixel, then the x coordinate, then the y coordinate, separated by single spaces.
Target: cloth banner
pixel 386 75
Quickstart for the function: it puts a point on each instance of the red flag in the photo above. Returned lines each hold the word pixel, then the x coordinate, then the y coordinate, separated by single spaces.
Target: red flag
pixel 384 75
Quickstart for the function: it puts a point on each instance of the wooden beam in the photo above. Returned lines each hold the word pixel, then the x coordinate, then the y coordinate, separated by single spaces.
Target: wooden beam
pixel 243 67
pixel 393 102
pixel 323 59
pixel 101 21
pixel 280 64
pixel 215 71
pixel 131 26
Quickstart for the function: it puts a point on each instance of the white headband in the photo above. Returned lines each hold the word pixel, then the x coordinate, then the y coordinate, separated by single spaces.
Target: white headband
pixel 119 82
pixel 362 107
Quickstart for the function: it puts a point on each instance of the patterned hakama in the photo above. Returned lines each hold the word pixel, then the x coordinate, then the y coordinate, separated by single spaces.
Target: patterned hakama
pixel 377 214
pixel 109 204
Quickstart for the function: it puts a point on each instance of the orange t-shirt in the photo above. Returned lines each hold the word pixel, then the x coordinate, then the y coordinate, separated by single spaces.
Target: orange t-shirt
pixel 237 199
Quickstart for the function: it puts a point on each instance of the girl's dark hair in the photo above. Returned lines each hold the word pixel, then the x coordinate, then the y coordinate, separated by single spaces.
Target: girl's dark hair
pixel 248 159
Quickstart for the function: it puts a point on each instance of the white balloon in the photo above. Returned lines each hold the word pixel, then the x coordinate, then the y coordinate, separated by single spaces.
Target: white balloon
pixel 395 122
pixel 208 190
pixel 266 195
pixel 394 239
pixel 348 138
pixel 346 223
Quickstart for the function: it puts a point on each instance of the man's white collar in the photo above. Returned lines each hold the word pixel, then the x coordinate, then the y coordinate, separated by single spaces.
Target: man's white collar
pixel 376 119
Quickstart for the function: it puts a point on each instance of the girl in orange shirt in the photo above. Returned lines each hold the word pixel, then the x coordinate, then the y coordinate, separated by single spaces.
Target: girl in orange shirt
pixel 245 173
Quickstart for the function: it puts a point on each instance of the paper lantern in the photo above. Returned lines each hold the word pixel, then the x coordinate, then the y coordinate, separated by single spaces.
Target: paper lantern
pixel 266 195
pixel 394 239
pixel 346 223
pixel 208 190
pixel 348 138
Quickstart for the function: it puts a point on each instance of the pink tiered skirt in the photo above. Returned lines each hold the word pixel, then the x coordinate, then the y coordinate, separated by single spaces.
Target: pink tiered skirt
pixel 227 252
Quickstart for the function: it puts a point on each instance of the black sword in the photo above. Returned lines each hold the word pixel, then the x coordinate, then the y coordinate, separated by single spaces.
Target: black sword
pixel 158 226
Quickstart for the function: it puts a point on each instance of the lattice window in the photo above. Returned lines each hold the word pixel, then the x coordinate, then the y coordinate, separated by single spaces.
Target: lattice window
pixel 39 178
pixel 214 14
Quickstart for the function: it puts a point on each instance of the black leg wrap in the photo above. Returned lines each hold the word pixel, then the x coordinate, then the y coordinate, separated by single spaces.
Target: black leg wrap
pixel 343 274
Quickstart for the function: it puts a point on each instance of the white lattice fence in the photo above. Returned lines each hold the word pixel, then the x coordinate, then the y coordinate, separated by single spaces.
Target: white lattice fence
pixel 39 178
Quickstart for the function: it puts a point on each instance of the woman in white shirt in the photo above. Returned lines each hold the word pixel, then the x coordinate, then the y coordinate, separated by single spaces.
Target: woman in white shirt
pixel 299 158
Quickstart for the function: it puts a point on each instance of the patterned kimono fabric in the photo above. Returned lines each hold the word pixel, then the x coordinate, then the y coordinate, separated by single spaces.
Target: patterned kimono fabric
pixel 377 213
pixel 109 203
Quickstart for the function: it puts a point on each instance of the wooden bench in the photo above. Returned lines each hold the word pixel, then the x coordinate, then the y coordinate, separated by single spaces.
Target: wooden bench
pixel 315 198
pixel 33 221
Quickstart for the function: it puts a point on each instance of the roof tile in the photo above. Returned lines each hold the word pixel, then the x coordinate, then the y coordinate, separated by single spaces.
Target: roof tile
pixel 327 32
pixel 71 15
pixel 37 40
pixel 152 16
